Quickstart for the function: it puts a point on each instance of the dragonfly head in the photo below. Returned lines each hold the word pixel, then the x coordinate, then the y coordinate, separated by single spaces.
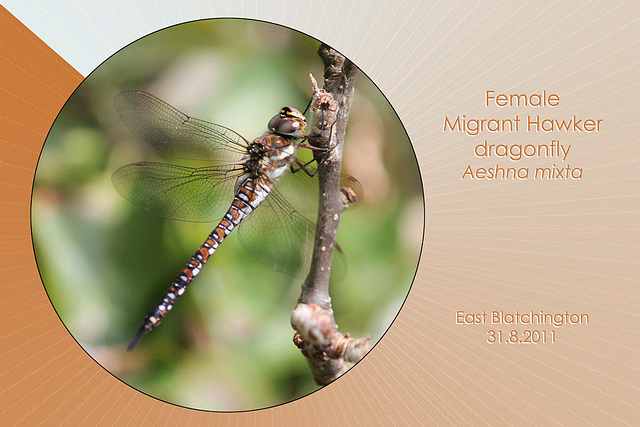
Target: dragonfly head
pixel 288 122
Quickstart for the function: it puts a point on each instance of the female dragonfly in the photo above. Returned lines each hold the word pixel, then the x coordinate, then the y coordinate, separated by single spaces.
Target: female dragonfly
pixel 240 180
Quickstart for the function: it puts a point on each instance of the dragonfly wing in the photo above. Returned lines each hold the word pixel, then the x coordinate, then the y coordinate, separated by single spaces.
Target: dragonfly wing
pixel 278 235
pixel 282 236
pixel 177 192
pixel 171 132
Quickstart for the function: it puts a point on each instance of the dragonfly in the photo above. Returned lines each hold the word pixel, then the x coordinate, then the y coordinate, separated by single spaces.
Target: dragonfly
pixel 236 186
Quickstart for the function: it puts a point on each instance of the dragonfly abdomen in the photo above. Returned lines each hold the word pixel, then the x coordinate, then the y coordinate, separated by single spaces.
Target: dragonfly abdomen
pixel 248 196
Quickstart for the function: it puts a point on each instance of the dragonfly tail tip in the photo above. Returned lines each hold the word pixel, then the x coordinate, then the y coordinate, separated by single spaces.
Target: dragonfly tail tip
pixel 135 339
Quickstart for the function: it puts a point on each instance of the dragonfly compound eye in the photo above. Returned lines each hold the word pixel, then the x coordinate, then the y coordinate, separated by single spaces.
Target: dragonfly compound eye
pixel 288 122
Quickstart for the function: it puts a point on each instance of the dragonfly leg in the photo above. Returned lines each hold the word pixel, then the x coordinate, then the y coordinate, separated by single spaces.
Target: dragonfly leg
pixel 325 151
pixel 303 167
pixel 307 107
pixel 321 131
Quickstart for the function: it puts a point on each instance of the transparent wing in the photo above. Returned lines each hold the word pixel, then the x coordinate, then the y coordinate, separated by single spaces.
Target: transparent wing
pixel 282 237
pixel 174 133
pixel 177 192
pixel 278 235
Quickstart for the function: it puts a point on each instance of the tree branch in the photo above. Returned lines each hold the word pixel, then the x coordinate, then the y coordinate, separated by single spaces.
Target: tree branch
pixel 317 333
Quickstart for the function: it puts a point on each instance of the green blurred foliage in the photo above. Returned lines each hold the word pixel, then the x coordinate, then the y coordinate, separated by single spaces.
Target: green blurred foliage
pixel 104 262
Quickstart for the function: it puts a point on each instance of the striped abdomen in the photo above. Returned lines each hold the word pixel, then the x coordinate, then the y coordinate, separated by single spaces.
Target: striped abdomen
pixel 248 196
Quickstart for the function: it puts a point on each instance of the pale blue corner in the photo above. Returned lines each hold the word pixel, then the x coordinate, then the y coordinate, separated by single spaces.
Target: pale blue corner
pixel 85 34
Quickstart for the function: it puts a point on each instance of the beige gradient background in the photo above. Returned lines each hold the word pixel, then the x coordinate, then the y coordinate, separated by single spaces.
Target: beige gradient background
pixel 555 246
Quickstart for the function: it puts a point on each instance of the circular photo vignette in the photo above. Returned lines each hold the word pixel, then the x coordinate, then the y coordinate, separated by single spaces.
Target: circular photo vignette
pixel 105 262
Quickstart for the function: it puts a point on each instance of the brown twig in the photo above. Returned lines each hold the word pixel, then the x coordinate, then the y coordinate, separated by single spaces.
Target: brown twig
pixel 317 334
pixel 325 348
